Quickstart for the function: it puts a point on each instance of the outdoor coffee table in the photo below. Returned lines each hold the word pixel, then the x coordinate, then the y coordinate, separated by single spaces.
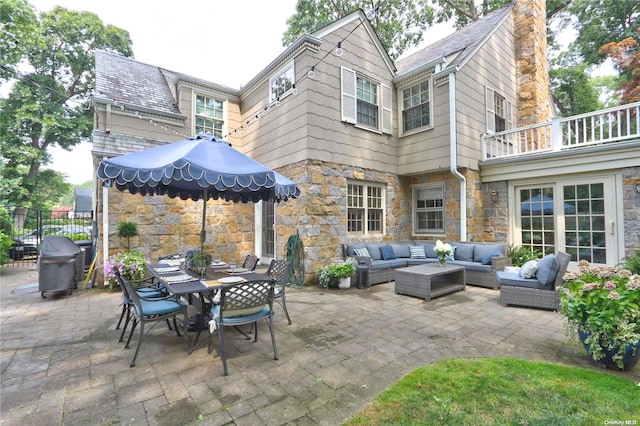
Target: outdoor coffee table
pixel 430 280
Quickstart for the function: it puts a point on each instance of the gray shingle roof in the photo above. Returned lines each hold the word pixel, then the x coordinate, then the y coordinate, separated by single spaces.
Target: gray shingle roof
pixel 128 81
pixel 463 42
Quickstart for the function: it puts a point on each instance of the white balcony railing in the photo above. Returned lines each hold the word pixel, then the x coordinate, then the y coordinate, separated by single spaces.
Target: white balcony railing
pixel 595 128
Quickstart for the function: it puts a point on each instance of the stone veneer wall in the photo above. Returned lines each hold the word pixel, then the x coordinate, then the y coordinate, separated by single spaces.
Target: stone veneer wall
pixel 631 210
pixel 532 64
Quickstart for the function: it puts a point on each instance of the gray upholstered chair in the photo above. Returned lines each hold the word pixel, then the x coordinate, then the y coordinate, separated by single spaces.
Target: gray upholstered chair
pixel 539 291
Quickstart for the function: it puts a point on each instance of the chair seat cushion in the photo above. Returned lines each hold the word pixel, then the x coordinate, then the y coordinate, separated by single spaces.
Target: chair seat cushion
pixel 513 279
pixel 161 307
pixel 240 316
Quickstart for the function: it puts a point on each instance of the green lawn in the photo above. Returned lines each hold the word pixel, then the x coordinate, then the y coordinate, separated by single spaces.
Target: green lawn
pixel 504 391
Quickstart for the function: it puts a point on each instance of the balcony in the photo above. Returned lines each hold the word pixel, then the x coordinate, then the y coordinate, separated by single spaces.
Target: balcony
pixel 607 126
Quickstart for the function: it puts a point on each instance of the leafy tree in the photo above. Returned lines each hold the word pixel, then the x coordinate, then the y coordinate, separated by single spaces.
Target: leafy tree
pixel 50 103
pixel 572 88
pixel 464 12
pixel 626 56
pixel 398 23
pixel 17 24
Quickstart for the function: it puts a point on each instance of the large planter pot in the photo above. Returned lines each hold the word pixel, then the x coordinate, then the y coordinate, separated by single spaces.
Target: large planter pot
pixel 344 283
pixel 629 360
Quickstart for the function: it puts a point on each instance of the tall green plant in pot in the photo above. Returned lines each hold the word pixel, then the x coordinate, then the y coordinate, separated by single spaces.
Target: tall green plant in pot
pixel 127 230
pixel 520 255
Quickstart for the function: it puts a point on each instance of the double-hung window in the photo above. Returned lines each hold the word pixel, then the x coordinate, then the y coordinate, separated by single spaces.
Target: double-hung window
pixel 428 209
pixel 209 116
pixel 416 106
pixel 282 82
pixel 365 102
pixel 365 208
pixel 499 112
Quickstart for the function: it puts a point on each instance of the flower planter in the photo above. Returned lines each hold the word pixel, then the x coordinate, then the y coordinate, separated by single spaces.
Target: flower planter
pixel 344 283
pixel 629 360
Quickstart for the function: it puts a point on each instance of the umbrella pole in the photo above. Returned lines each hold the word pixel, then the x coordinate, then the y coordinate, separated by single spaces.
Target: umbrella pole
pixel 203 232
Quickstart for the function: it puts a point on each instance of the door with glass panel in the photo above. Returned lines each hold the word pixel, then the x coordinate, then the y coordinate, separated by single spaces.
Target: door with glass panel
pixel 268 232
pixel 577 217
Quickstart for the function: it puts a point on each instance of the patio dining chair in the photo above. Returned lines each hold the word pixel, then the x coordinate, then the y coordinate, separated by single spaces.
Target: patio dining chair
pixel 279 270
pixel 148 289
pixel 240 304
pixel 250 262
pixel 151 311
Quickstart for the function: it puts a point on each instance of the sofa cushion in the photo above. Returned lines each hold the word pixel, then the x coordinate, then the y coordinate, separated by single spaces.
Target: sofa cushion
pixel 463 251
pixel 387 264
pixel 528 270
pixel 351 249
pixel 513 279
pixel 547 270
pixel 429 249
pixel 423 261
pixel 374 251
pixel 472 266
pixel 362 251
pixel 417 252
pixel 401 250
pixel 387 252
pixel 482 250
pixel 486 260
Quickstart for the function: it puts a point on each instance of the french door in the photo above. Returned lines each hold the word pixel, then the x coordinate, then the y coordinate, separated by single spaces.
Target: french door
pixel 265 231
pixel 577 216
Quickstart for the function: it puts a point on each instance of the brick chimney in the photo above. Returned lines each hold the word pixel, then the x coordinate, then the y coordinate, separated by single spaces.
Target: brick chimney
pixel 532 65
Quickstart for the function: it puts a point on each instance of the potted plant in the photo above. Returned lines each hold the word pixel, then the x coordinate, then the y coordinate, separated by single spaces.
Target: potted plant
pixel 520 255
pixel 132 265
pixel 198 261
pixel 337 274
pixel 602 307
pixel 127 230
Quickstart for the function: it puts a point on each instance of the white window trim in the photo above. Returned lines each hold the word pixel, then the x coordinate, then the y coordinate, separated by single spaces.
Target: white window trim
pixel 490 111
pixel 401 108
pixel 414 228
pixel 349 102
pixel 365 185
pixel 225 110
pixel 281 71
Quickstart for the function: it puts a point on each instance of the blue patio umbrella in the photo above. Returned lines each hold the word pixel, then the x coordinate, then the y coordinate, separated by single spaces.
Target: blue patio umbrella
pixel 199 167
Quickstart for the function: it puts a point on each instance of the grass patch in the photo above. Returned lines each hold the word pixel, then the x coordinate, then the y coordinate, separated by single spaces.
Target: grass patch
pixel 504 391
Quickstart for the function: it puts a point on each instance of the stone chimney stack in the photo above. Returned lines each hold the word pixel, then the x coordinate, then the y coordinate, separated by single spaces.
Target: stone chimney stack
pixel 530 21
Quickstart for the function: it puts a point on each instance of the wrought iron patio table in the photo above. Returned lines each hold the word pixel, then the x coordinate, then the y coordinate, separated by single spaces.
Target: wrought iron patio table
pixel 198 290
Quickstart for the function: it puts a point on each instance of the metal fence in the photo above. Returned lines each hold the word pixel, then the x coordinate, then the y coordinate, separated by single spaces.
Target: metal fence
pixel 28 227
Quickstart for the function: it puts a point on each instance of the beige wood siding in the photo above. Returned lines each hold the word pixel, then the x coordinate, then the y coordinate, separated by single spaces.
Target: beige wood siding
pixel 493 66
pixel 427 150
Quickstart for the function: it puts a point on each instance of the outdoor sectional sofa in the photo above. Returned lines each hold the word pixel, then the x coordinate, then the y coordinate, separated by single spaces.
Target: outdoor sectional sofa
pixel 481 260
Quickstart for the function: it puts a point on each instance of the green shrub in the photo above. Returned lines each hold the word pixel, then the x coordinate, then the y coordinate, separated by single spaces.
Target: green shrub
pixel 632 263
pixel 520 255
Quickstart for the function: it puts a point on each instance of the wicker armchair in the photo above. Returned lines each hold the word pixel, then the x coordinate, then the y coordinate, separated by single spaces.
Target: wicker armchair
pixel 527 295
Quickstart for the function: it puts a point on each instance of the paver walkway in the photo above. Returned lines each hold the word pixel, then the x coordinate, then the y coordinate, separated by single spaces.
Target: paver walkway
pixel 61 362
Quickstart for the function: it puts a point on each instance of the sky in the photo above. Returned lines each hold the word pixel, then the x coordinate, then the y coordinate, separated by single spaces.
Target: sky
pixel 192 38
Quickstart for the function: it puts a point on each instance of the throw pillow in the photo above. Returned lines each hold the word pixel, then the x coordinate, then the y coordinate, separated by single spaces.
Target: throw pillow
pixel 487 259
pixel 362 252
pixel 547 269
pixel 452 255
pixel 528 270
pixel 387 252
pixel 417 252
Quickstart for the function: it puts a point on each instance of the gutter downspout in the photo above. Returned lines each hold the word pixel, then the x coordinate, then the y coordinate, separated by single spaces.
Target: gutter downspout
pixel 105 222
pixel 453 153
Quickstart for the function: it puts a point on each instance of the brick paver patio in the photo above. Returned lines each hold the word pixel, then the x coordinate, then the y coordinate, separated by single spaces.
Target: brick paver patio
pixel 61 362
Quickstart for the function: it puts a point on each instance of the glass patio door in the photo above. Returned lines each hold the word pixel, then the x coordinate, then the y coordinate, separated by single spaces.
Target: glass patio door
pixel 268 232
pixel 576 216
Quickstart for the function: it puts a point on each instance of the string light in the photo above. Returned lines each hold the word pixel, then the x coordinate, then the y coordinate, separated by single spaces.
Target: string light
pixel 339 50
pixel 312 72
